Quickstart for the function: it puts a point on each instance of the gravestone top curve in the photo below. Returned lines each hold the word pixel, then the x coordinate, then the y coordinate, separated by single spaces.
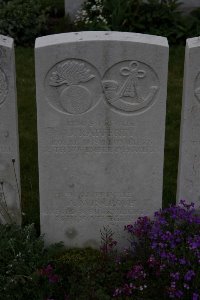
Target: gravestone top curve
pixel 193 42
pixel 6 41
pixel 61 38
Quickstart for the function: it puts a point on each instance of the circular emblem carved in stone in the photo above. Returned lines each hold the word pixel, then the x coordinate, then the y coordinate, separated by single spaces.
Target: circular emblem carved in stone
pixel 73 87
pixel 3 87
pixel 130 86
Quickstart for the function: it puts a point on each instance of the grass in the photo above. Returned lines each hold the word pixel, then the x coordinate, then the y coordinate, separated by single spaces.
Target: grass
pixel 28 130
pixel 27 134
pixel 174 100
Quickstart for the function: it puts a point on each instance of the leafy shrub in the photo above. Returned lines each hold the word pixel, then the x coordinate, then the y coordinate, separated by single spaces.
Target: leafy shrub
pixel 92 16
pixel 55 8
pixel 84 273
pixel 24 20
pixel 193 22
pixel 162 262
pixel 158 17
pixel 21 255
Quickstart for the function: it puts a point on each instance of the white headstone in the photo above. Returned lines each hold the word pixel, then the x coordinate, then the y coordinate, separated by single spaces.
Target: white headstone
pixel 72 7
pixel 189 156
pixel 9 152
pixel 101 101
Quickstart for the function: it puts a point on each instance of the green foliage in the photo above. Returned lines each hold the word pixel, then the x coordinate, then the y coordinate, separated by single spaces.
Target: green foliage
pixel 151 16
pixel 193 23
pixel 87 274
pixel 162 262
pixel 56 8
pixel 22 253
pixel 24 20
pixel 173 116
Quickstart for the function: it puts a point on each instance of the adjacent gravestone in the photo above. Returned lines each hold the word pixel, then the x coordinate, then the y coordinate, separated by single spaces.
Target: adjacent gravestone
pixel 72 7
pixel 188 5
pixel 101 102
pixel 9 153
pixel 189 157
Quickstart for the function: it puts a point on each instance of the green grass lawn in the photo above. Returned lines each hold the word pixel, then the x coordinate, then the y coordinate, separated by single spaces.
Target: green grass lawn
pixel 28 131
pixel 27 134
pixel 174 101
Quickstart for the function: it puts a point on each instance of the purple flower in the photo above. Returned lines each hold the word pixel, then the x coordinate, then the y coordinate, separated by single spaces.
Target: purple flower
pixel 129 228
pixel 188 276
pixel 179 294
pixel 172 241
pixel 194 242
pixel 186 286
pixel 54 278
pixel 175 276
pixel 141 227
pixel 126 290
pixel 187 206
pixel 136 272
pixel 173 292
pixel 46 271
pixel 182 261
pixel 195 296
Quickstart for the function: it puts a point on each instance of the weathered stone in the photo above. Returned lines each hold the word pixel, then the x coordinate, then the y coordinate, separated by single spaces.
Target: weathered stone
pixel 189 157
pixel 9 152
pixel 101 102
pixel 189 5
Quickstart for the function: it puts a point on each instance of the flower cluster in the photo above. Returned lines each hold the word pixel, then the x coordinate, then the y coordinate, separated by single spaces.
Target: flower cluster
pixel 172 253
pixel 91 14
pixel 48 272
pixel 55 285
pixel 128 290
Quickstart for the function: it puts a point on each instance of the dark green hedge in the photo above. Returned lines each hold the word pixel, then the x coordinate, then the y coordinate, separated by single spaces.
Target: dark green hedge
pixel 24 20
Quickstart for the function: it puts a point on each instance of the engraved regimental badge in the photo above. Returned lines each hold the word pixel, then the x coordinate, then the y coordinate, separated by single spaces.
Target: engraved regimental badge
pixel 73 87
pixel 130 86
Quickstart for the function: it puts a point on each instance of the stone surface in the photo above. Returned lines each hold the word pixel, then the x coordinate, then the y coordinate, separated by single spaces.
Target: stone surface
pixel 72 7
pixel 101 101
pixel 9 152
pixel 189 157
pixel 189 5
